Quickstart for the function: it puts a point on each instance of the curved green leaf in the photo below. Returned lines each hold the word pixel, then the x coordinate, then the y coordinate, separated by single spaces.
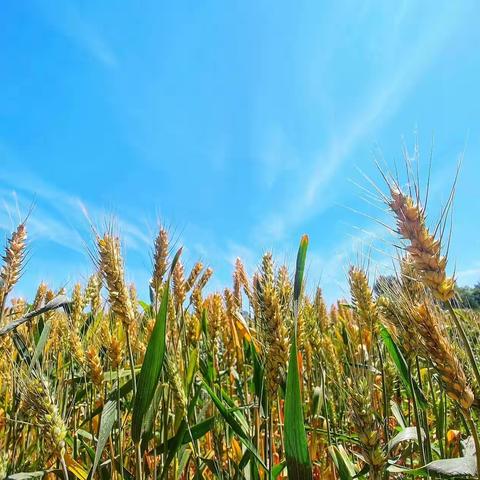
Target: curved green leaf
pixel 41 343
pixel 109 414
pixel 230 418
pixel 151 368
pixel 296 448
pixel 344 466
pixel 402 368
pixel 300 267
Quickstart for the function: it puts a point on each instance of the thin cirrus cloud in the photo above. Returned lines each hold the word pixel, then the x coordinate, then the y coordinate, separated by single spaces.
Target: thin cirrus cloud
pixel 67 19
pixel 368 249
pixel 58 216
pixel 381 102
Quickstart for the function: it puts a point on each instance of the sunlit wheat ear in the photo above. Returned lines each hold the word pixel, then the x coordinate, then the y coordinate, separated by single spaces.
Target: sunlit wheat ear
pixel 321 312
pixel 274 334
pixel 330 356
pixel 175 383
pixel 39 299
pixel 284 289
pixel 362 297
pixel 13 259
pixel 38 403
pixel 237 283
pixel 92 293
pixel 424 249
pixel 230 303
pixel 366 424
pixel 76 308
pixel 77 305
pixel 179 287
pixel 77 350
pixel 139 340
pixel 193 276
pixel 439 350
pixel 395 301
pixel 134 328
pixel 94 366
pixel 132 293
pixel 204 279
pixel 216 315
pixel 113 344
pixel 413 288
pixel 345 315
pixel 160 260
pixel 18 308
pixel 196 297
pixel 229 330
pixel 57 331
pixel 333 315
pixel 240 279
pixel 192 329
pixel 196 300
pixel 393 309
pixel 111 267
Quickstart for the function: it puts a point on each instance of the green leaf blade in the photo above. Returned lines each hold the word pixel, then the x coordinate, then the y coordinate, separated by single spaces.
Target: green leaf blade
pixel 296 448
pixel 109 413
pixel 402 368
pixel 151 369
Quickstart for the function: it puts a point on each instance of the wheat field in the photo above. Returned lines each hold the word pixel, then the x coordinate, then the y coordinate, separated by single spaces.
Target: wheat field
pixel 262 380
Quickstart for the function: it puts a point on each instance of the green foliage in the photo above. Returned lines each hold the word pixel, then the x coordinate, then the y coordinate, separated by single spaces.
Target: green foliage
pixel 296 448
pixel 151 369
pixel 469 297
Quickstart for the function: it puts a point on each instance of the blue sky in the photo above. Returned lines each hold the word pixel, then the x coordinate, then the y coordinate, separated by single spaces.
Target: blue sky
pixel 240 125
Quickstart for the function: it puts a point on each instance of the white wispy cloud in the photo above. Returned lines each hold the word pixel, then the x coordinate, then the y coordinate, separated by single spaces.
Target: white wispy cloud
pixel 46 221
pixel 58 216
pixel 67 18
pixel 366 248
pixel 381 101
